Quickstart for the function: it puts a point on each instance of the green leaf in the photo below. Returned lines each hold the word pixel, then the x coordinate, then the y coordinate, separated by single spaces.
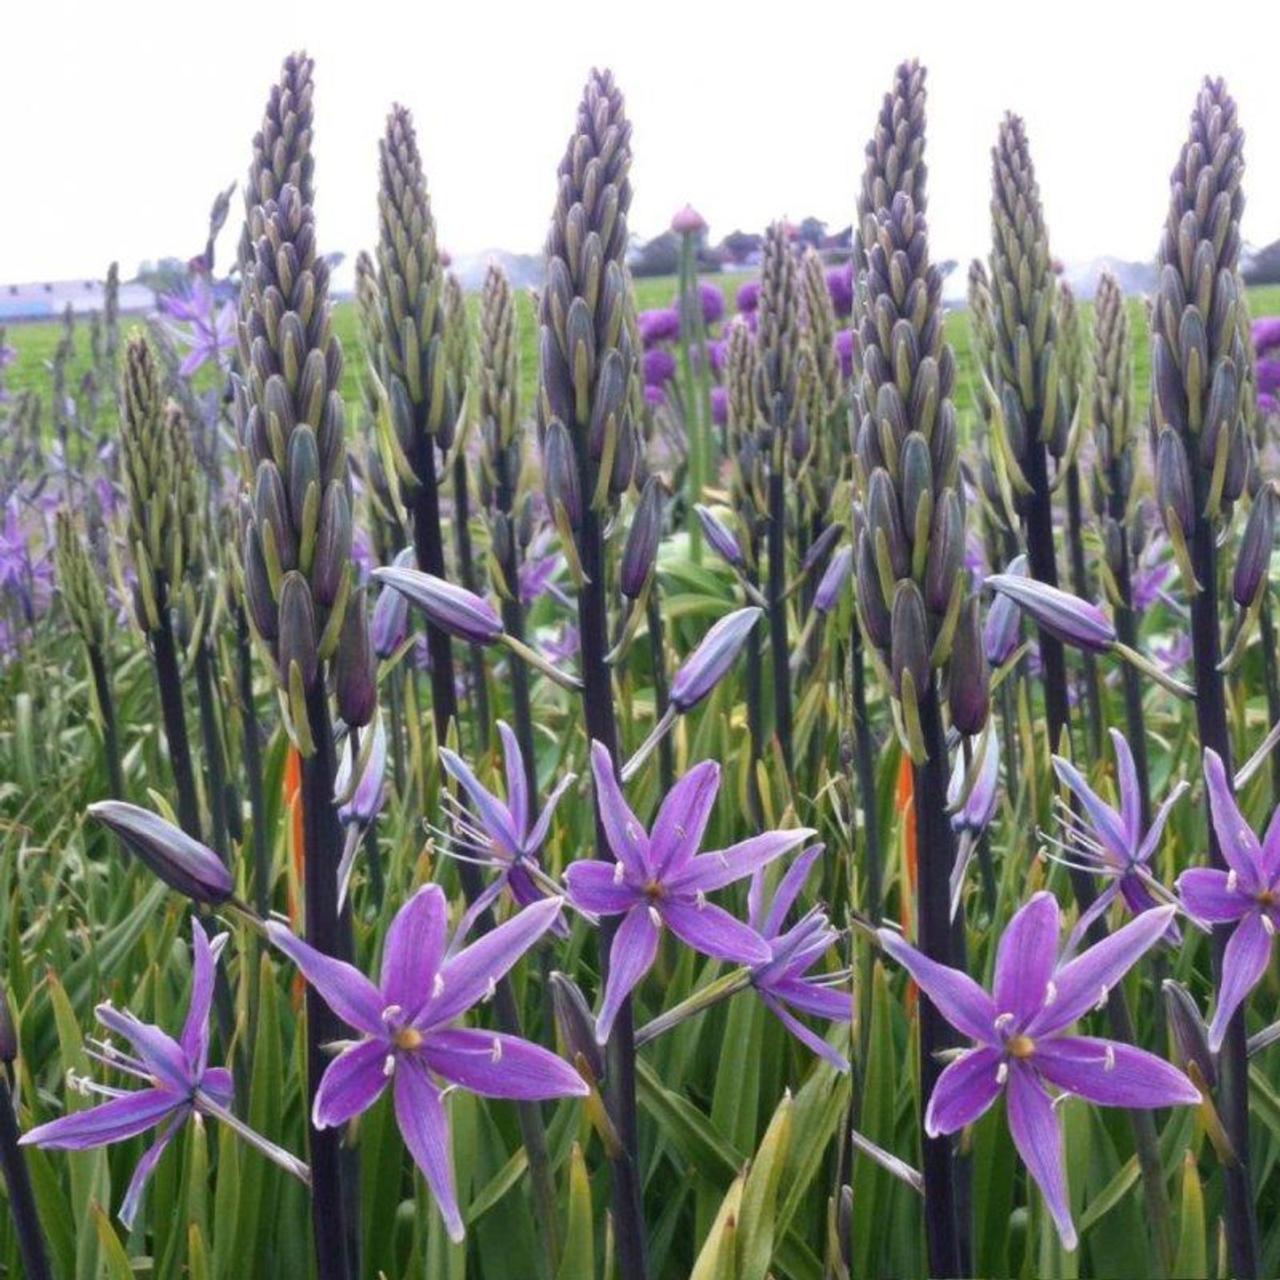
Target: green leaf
pixel 760 1196
pixel 577 1262
pixel 1192 1260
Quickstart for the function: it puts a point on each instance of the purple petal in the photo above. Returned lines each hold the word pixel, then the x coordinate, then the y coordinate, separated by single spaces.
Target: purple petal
pixel 535 839
pixel 1106 822
pixel 627 838
pixel 500 1066
pixel 145 1167
pixel 1112 1074
pixel 1074 621
pixel 517 786
pixel 833 1003
pixel 351 1083
pixel 593 887
pixel 1271 848
pixel 1244 961
pixel 1239 846
pixel 681 822
pixel 1026 958
pixel 964 1091
pixel 713 931
pixel 807 1037
pixel 113 1121
pixel 1151 841
pixel 160 1051
pixel 424 1126
pixel 1095 911
pixel 469 976
pixel 1084 982
pixel 630 957
pixel 788 890
pixel 1038 1137
pixel 340 985
pixel 1208 896
pixel 218 1084
pixel 493 814
pixel 957 997
pixel 195 1031
pixel 710 871
pixel 1130 799
pixel 413 949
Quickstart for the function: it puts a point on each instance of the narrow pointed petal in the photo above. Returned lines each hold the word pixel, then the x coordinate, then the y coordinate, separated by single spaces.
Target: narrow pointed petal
pixel 1106 822
pixel 1096 910
pixel 414 948
pixel 806 1035
pixel 113 1121
pixel 493 814
pixel 627 838
pixel 682 820
pixel 1130 799
pixel 424 1126
pixel 159 1050
pixel 1112 1074
pixel 833 1003
pixel 517 787
pixel 143 1170
pixel 1036 1133
pixel 462 613
pixel 1026 958
pixel 1244 961
pixel 714 932
pixel 593 886
pixel 351 1083
pixel 964 1091
pixel 1208 896
pixel 710 871
pixel 788 891
pixel 217 1083
pixel 469 977
pixel 500 1066
pixel 634 947
pixel 1239 846
pixel 341 986
pixel 958 998
pixel 1151 841
pixel 1271 848
pixel 536 838
pixel 195 1030
pixel 1084 983
pixel 1074 621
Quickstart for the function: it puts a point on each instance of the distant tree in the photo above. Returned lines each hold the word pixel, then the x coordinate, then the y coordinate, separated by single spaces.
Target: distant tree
pixel 168 275
pixel 657 257
pixel 1263 265
pixel 738 246
pixel 812 231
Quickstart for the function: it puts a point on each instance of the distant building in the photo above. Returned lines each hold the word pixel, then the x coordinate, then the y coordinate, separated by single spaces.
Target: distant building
pixel 47 300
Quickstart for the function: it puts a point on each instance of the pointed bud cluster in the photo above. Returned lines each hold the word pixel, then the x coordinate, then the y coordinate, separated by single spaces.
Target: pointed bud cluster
pixel 746 475
pixel 1198 357
pixel 80 581
pixel 586 342
pixel 777 385
pixel 158 476
pixel 289 411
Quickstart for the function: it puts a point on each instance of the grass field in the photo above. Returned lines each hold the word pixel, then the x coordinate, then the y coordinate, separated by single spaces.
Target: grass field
pixel 35 342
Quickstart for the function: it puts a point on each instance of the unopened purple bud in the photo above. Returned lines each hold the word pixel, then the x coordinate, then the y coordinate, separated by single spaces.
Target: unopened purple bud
pixel 720 537
pixel 1254 558
pixel 909 637
pixel 333 544
pixel 455 610
pixel 707 665
pixel 820 547
pixel 832 583
pixel 560 472
pixel 688 222
pixel 1074 621
pixel 391 612
pixel 182 863
pixel 1004 620
pixel 641 550
pixel 297 642
pixel 366 801
pixel 577 1026
pixel 719 405
pixel 969 677
pixel 980 804
pixel 1190 1035
pixel 1173 480
pixel 355 674
pixel 257 588
pixel 8 1031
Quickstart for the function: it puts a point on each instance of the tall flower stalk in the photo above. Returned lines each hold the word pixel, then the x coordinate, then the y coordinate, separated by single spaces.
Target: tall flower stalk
pixel 1197 360
pixel 298 573
pixel 1031 423
pixel 422 400
pixel 916 614
pixel 589 447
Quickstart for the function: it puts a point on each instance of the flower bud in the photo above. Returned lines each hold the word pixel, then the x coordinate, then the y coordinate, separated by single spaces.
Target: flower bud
pixel 560 472
pixel 969 681
pixel 297 642
pixel 576 1026
pixel 832 583
pixel 875 612
pixel 980 804
pixel 455 610
pixel 355 675
pixel 1075 622
pixel 688 221
pixel 720 537
pixel 1254 557
pixel 182 863
pixel 333 544
pixel 391 612
pixel 641 550
pixel 707 665
pixel 8 1031
pixel 1173 480
pixel 1190 1035
pixel 271 510
pixel 945 560
pixel 366 800
pixel 1004 620
pixel 884 518
pixel 820 547
pixel 909 629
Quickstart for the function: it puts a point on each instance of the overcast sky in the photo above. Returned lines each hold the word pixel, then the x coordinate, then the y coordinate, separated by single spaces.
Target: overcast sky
pixel 122 119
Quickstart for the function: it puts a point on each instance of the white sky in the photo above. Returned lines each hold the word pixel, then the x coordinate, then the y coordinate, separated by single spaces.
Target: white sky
pixel 122 119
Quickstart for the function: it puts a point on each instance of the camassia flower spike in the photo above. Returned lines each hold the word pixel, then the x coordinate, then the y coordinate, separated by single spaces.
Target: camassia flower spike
pixel 408 1037
pixel 1248 893
pixel 657 880
pixel 1020 1048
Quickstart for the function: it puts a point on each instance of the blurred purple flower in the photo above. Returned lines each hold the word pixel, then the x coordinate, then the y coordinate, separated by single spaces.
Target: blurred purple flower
pixel 719 406
pixel 687 221
pixel 840 288
pixel 659 367
pixel 1268 377
pixel 662 325
pixel 1266 334
pixel 200 323
pixel 748 298
pixel 655 397
pixel 844 349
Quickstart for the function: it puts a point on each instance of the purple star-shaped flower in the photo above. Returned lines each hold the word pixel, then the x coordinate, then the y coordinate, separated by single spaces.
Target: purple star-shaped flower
pixel 783 979
pixel 212 328
pixel 177 1074
pixel 1247 893
pixel 1112 842
pixel 657 880
pixel 505 835
pixel 1020 1049
pixel 407 1034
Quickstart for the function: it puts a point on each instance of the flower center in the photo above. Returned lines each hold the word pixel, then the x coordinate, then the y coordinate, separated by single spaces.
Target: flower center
pixel 653 891
pixel 407 1038
pixel 1267 898
pixel 1021 1046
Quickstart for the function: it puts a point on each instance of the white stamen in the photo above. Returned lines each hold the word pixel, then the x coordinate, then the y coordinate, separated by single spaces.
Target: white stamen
pixel 389 1065
pixel 701 899
pixel 496 1052
pixel 632 833
pixel 1232 880
pixel 490 988
pixel 724 862
pixel 1109 1063
pixel 1050 993
pixel 437 986
pixel 618 872
pixel 1269 925
pixel 1104 995
pixel 1002 1073
pixel 1003 1021
pixel 391 1012
pixel 656 917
